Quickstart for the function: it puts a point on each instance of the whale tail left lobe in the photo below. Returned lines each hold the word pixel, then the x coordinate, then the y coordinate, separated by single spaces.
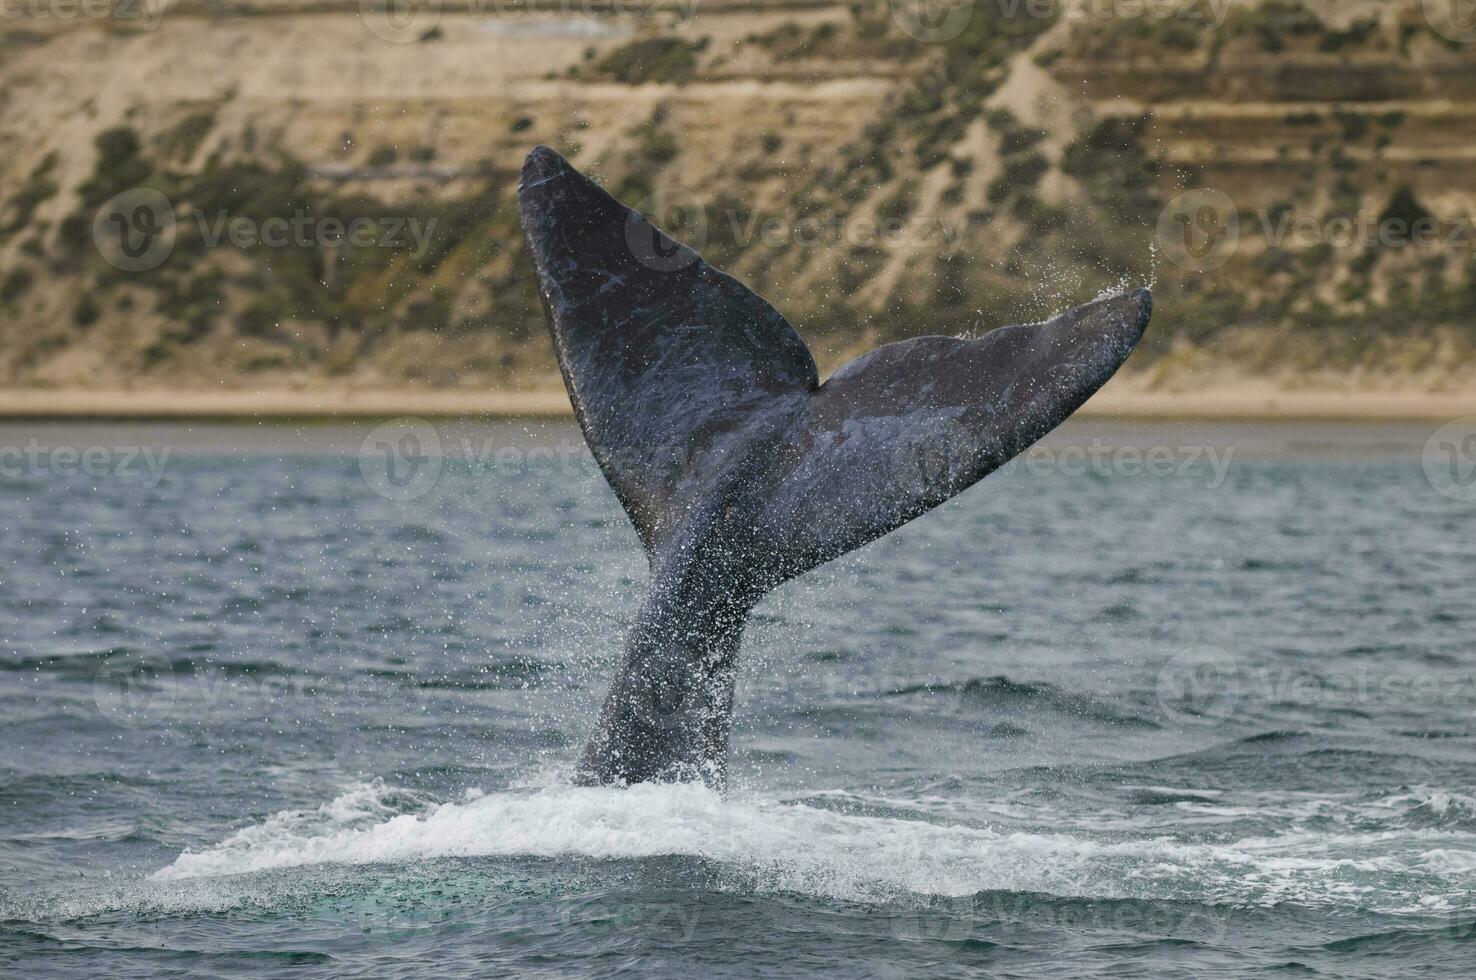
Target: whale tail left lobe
pixel 737 467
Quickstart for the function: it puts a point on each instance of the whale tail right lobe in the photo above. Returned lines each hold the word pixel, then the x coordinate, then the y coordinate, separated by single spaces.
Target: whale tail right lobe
pixel 737 467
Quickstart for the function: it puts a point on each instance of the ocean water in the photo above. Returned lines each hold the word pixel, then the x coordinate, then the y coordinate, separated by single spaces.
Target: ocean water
pixel 1166 700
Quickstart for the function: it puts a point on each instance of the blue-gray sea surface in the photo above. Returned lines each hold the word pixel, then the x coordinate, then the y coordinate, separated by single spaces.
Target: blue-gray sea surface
pixel 1125 711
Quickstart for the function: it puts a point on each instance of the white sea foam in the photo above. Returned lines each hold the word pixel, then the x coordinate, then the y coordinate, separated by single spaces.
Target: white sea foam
pixel 792 846
pixel 1445 861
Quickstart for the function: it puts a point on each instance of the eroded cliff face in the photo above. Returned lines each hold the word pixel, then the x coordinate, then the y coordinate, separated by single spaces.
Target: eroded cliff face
pixel 294 192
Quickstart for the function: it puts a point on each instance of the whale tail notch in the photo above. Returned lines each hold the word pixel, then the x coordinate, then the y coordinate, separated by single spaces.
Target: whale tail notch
pixel 738 468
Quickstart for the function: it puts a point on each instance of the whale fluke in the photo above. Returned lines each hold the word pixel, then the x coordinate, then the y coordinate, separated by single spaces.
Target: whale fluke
pixel 738 468
pixel 659 350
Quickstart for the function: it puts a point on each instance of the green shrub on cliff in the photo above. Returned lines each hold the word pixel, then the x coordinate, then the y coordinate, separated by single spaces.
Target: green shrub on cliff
pixel 39 187
pixel 1273 22
pixel 1111 163
pixel 1403 216
pixel 17 283
pixel 120 166
pixel 652 59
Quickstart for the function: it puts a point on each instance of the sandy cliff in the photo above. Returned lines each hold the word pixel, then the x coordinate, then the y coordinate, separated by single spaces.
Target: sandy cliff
pixel 875 173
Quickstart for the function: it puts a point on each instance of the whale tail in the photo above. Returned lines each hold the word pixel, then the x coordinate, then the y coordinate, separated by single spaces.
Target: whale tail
pixel 738 468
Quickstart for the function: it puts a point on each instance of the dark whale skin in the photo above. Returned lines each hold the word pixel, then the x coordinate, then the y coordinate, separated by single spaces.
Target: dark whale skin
pixel 738 468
